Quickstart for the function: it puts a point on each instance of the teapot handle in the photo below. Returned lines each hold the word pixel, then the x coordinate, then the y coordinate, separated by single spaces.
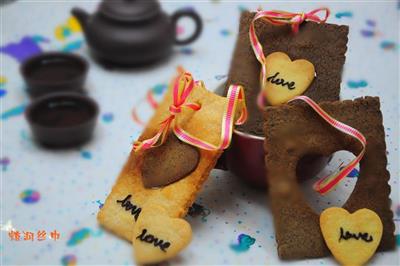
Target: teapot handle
pixel 197 20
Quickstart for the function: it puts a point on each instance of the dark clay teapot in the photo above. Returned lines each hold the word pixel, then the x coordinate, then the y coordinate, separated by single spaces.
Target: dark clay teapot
pixel 133 32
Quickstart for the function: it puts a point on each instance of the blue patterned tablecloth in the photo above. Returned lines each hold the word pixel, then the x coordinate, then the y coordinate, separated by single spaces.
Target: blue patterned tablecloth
pixel 61 191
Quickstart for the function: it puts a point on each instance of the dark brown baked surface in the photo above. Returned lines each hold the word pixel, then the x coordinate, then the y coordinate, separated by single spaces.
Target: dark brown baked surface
pixel 295 130
pixel 169 162
pixel 324 45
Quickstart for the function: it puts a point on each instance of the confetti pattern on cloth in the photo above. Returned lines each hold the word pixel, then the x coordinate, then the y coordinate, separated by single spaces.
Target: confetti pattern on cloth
pixel 3 82
pixel 63 189
pixel 26 47
pixel 30 196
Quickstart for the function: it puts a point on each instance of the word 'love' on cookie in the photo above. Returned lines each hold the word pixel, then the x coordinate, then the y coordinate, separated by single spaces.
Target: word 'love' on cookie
pixel 129 206
pixel 280 81
pixel 286 79
pixel 149 238
pixel 157 236
pixel 348 235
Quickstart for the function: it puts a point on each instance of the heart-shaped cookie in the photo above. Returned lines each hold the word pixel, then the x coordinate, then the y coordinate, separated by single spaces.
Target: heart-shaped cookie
pixel 169 162
pixel 352 238
pixel 158 237
pixel 286 79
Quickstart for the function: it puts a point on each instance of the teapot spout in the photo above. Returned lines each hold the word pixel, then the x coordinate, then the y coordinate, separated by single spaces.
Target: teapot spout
pixel 82 16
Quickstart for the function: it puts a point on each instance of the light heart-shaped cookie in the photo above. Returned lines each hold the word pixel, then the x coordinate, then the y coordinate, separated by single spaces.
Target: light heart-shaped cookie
pixel 286 79
pixel 352 238
pixel 158 237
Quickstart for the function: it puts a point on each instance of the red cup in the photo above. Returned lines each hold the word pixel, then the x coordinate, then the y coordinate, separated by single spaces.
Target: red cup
pixel 245 158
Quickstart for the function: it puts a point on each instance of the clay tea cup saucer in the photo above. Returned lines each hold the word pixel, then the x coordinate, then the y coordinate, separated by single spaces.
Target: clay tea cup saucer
pixel 62 119
pixel 54 72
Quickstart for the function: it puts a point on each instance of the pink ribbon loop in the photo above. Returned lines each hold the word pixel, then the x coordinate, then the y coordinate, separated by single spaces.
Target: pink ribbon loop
pixel 182 87
pixel 326 184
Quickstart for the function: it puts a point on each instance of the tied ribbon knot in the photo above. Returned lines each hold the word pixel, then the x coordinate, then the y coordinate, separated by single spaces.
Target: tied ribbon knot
pixel 280 18
pixel 183 85
pixel 293 19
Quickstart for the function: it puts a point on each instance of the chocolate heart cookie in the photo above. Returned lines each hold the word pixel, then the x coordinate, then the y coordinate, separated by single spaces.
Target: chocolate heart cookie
pixel 169 162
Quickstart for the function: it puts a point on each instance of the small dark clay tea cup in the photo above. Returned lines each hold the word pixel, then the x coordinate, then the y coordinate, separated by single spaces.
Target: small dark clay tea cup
pixel 54 72
pixel 62 119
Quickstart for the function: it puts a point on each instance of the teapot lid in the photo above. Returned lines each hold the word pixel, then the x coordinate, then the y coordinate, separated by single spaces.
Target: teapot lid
pixel 130 10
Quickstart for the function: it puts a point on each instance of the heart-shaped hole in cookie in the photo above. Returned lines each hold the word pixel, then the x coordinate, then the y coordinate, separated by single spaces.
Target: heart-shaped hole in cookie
pixel 168 163
pixel 339 195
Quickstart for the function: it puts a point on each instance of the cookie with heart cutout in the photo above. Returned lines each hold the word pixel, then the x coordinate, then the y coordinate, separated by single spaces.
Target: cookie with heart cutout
pixel 351 237
pixel 323 44
pixel 293 130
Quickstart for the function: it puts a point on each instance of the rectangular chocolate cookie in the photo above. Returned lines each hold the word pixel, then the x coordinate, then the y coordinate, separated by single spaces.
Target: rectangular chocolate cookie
pixel 324 45
pixel 295 130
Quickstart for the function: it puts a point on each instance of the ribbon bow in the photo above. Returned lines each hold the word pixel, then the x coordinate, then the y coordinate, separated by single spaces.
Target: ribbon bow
pixel 278 18
pixel 182 87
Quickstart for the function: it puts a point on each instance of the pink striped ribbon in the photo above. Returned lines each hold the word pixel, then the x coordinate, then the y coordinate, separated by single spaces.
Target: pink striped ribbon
pixel 182 87
pixel 278 18
pixel 151 100
pixel 326 184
